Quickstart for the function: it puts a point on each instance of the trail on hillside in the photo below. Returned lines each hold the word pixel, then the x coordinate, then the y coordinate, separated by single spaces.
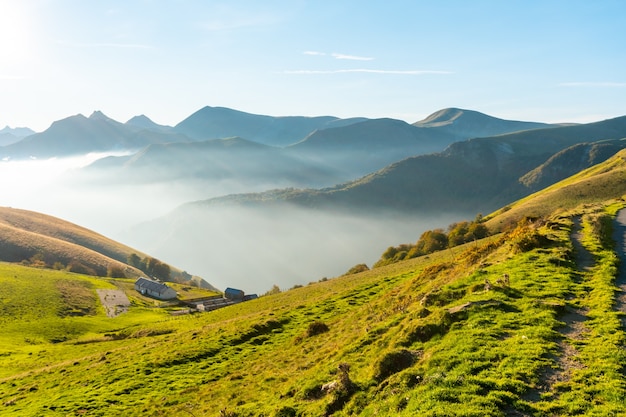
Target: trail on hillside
pixel 573 330
pixel 584 258
pixel 619 236
pixel 574 318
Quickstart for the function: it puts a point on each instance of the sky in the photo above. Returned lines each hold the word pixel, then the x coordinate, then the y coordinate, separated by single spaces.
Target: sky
pixel 548 60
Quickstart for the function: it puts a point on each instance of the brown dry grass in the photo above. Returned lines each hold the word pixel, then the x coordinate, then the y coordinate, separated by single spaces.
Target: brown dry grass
pixel 24 234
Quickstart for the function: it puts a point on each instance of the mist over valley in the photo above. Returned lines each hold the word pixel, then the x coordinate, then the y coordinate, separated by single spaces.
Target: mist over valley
pixel 298 199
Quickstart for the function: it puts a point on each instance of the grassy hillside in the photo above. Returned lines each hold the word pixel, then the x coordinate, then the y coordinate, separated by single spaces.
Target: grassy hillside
pixel 41 240
pixel 527 322
pixel 431 336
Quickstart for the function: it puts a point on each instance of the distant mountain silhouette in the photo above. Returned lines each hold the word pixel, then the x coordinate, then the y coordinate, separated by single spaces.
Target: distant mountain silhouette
pixel 376 142
pixel 471 124
pixel 78 134
pixel 369 145
pixel 221 122
pixel 478 175
pixel 144 122
pixel 11 135
pixel 346 150
pixel 232 159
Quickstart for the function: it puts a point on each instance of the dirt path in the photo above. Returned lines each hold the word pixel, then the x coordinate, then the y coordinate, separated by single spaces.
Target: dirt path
pixel 115 302
pixel 619 236
pixel 584 258
pixel 566 357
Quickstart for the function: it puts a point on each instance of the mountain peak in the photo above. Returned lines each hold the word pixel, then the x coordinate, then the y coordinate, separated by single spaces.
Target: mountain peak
pixel 98 115
pixel 17 132
pixel 142 121
pixel 447 116
pixel 471 123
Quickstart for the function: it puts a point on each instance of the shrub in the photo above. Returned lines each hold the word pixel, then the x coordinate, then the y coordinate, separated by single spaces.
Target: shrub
pixel 315 328
pixel 357 268
pixel 392 363
pixel 286 412
pixel 423 333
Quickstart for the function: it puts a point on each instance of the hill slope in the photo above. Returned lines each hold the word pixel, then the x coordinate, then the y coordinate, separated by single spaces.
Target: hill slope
pixel 440 335
pixel 42 240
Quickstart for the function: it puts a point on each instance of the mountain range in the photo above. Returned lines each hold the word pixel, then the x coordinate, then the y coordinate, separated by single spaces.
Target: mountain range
pixel 469 177
pixel 98 133
pixel 289 182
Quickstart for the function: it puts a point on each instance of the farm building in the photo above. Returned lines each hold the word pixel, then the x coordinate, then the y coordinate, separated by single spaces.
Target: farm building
pixel 154 289
pixel 233 294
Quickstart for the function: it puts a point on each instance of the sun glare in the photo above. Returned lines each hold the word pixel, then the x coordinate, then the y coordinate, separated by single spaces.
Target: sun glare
pixel 14 33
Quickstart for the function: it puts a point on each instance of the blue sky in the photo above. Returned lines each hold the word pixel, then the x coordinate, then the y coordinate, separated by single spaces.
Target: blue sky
pixel 550 60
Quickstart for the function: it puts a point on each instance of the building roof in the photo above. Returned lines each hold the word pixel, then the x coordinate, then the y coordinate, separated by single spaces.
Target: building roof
pixel 153 286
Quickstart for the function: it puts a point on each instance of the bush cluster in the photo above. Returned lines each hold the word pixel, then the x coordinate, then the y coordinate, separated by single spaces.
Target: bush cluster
pixel 435 240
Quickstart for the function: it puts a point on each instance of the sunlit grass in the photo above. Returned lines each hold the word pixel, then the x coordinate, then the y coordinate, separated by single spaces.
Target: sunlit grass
pixel 421 337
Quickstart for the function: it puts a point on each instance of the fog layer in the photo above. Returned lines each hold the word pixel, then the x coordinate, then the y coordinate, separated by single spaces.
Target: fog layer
pixel 254 249
pixel 234 246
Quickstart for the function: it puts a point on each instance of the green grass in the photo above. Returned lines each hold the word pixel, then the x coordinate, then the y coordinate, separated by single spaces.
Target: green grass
pixel 422 337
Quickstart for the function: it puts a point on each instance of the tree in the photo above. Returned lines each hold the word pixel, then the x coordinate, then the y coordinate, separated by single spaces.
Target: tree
pixel 431 241
pixel 135 260
pixel 275 290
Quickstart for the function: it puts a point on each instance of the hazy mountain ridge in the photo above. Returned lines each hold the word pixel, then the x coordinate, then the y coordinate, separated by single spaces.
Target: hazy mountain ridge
pixel 475 176
pixel 344 150
pixel 11 135
pixel 370 145
pixel 570 161
pixel 470 123
pixel 234 160
pixel 144 122
pixel 77 135
pixel 480 173
pixel 220 122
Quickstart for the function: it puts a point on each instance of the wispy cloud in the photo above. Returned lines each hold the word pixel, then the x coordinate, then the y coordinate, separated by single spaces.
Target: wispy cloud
pixel 339 56
pixel 593 84
pixel 352 57
pixel 369 71
pixel 226 19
